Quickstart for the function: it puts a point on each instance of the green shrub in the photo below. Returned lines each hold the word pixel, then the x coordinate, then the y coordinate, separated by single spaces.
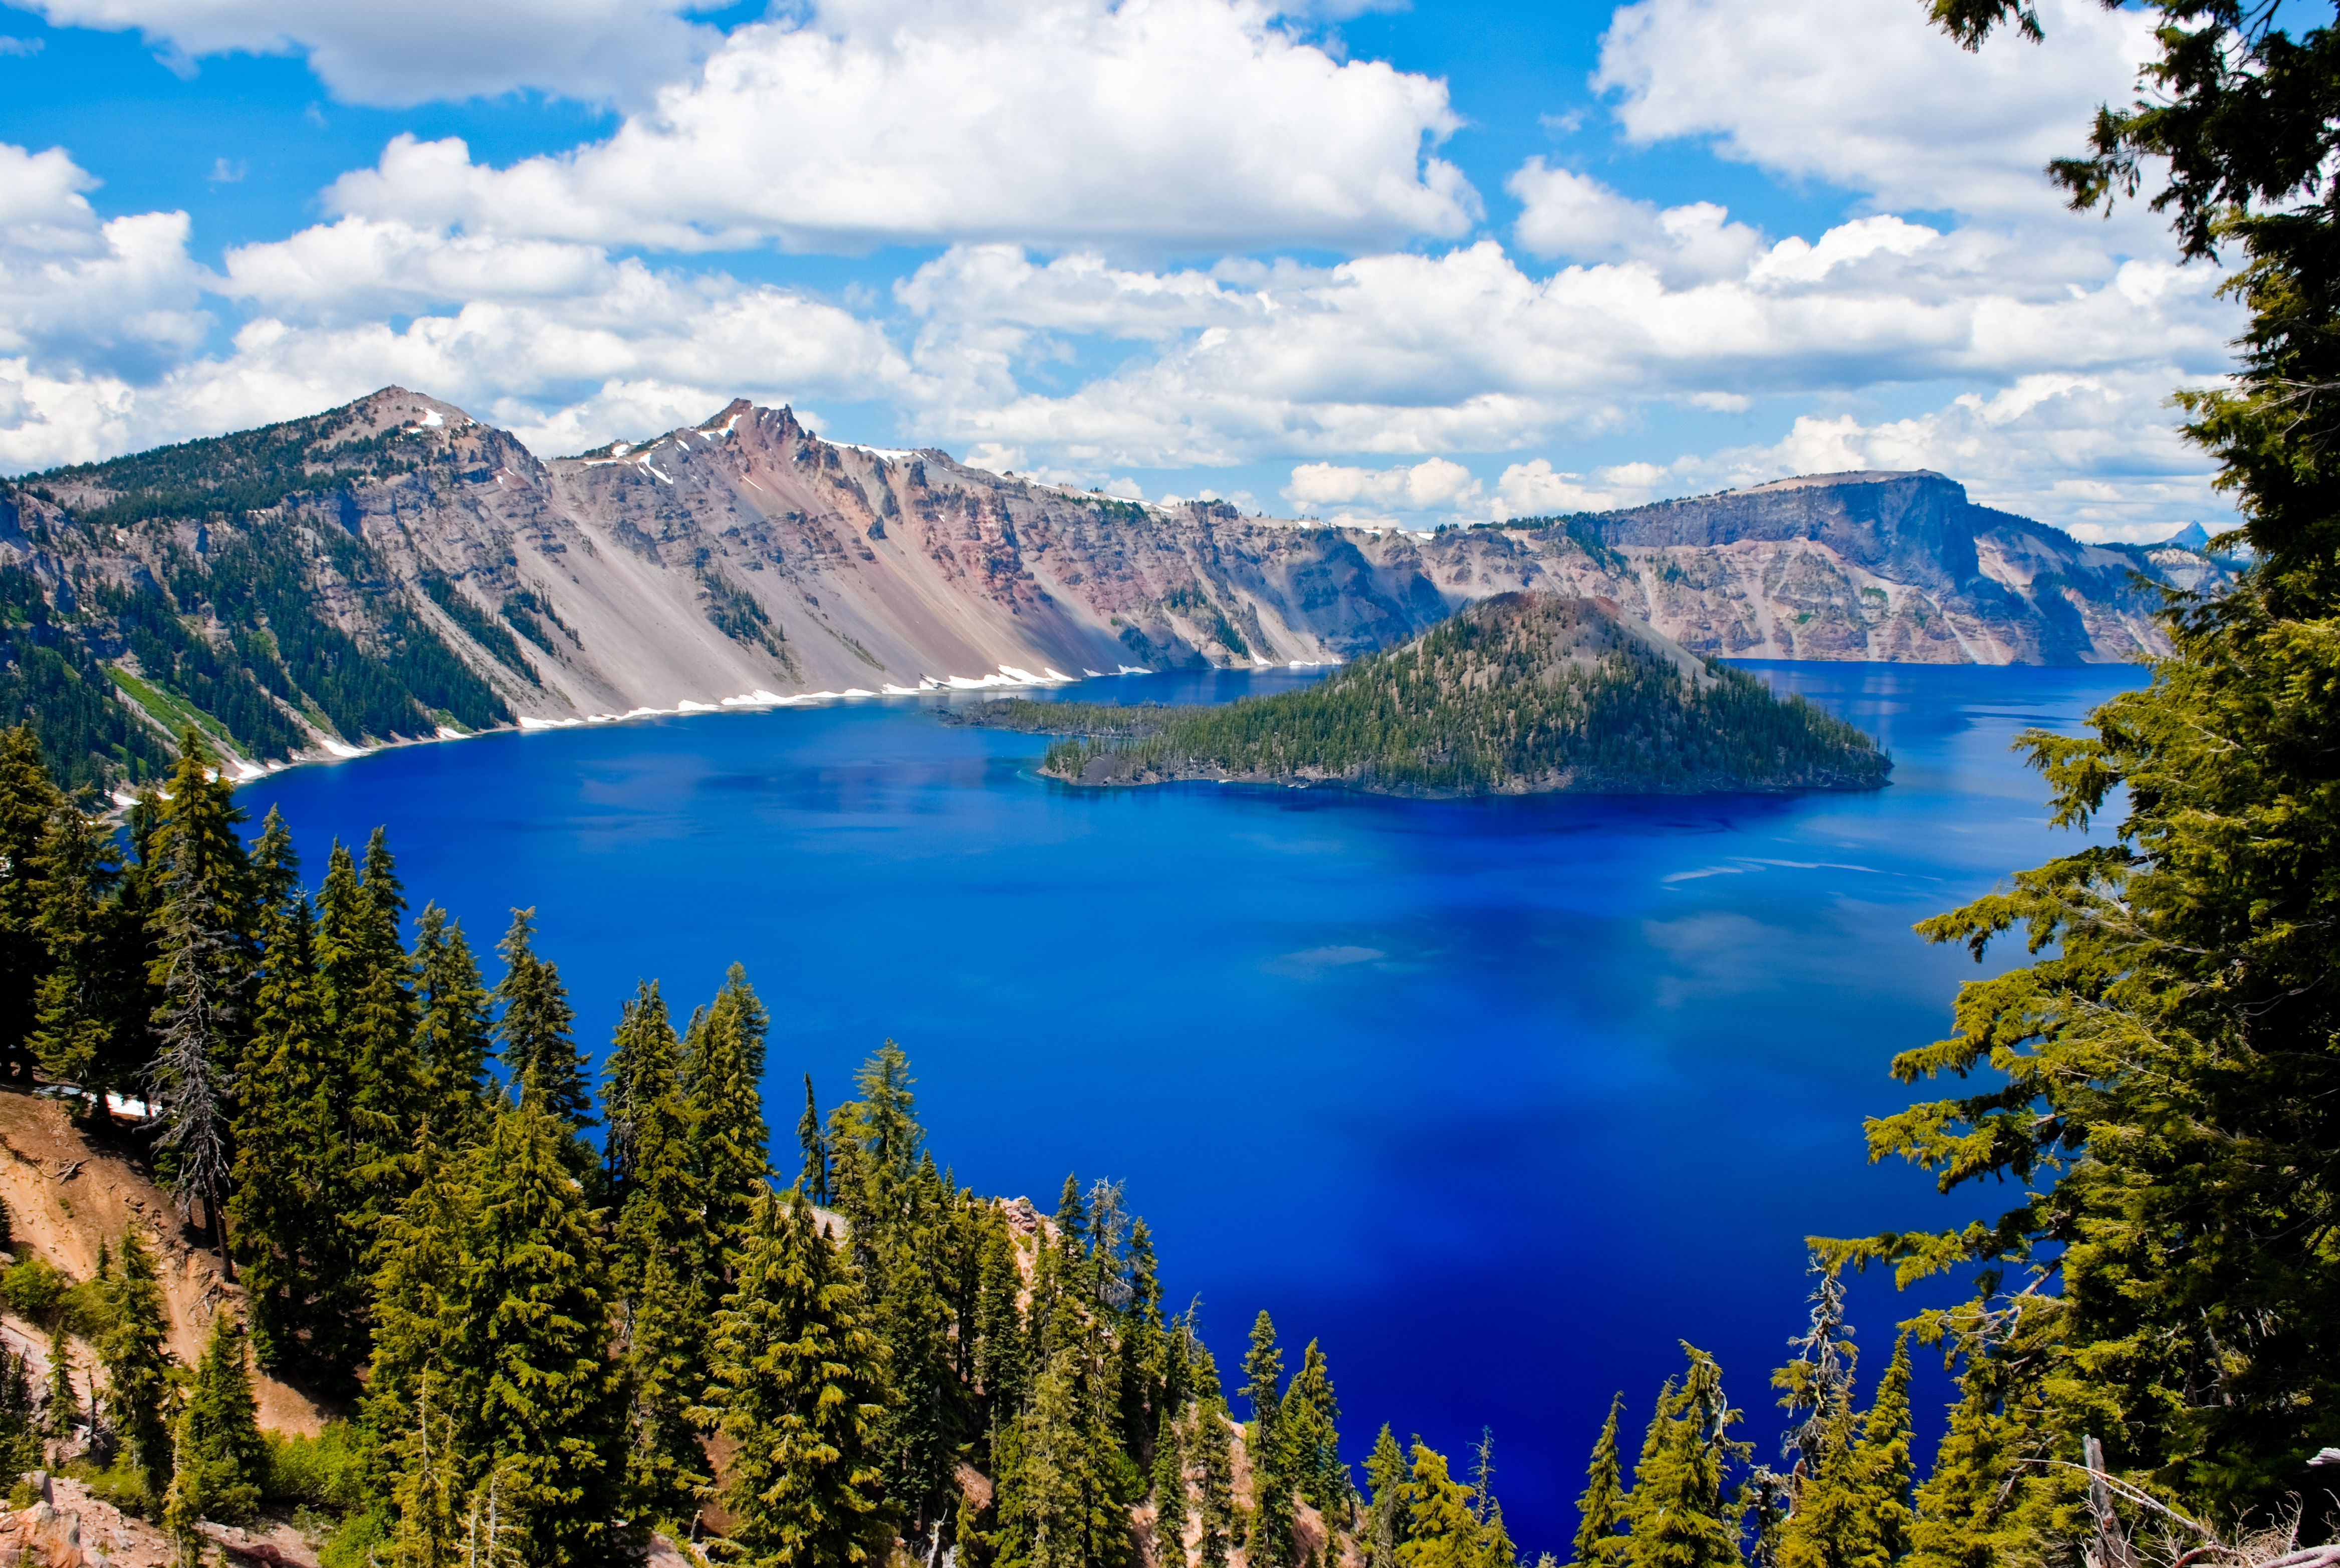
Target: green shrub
pixel 83 1310
pixel 353 1545
pixel 327 1471
pixel 35 1289
pixel 122 1484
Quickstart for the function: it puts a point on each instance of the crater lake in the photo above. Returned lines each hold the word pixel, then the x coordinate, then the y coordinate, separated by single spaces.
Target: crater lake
pixel 1499 1099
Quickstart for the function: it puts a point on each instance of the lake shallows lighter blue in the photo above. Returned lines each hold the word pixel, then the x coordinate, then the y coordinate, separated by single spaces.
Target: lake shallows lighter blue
pixel 1498 1099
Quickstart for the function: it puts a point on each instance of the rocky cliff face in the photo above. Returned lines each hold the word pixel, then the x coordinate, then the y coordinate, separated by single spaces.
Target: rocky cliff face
pixel 395 567
pixel 1887 566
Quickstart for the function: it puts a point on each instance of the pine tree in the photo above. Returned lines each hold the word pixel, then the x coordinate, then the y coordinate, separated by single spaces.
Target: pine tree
pixel 1444 1529
pixel 815 1177
pixel 1854 1511
pixel 295 1204
pixel 1143 1376
pixel 666 1360
pixel 1002 1357
pixel 135 1349
pixel 722 1076
pixel 1988 1496
pixel 417 1366
pixel 1272 1467
pixel 543 1402
pixel 130 954
pixel 799 1383
pixel 1387 1525
pixel 1309 1422
pixel 1169 1497
pixel 1884 1467
pixel 220 1458
pixel 64 1402
pixel 657 1235
pixel 1600 1509
pixel 1215 1459
pixel 1679 1513
pixel 417 1279
pixel 80 1002
pixel 29 800
pixel 203 968
pixel 1059 1506
pixel 275 865
pixel 534 1030
pixel 453 1031
pixel 1817 1386
pixel 20 1432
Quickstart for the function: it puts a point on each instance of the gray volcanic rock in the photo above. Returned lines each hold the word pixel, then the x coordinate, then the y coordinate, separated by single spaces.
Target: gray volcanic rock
pixel 1895 566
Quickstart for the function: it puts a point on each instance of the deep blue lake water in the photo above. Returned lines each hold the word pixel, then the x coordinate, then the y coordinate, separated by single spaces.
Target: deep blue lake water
pixel 1499 1099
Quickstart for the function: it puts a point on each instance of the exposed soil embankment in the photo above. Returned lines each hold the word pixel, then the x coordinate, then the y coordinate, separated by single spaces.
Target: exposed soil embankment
pixel 69 1196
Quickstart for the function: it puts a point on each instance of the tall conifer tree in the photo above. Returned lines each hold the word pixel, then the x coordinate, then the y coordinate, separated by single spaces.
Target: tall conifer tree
pixel 543 1402
pixel 135 1350
pixel 1600 1507
pixel 723 1077
pixel 1387 1518
pixel 1309 1421
pixel 1269 1539
pixel 220 1460
pixel 1679 1512
pixel 1169 1496
pixel 453 1033
pixel 534 1030
pixel 291 1162
pixel 799 1383
pixel 1855 1512
pixel 659 1235
pixel 81 1003
pixel 815 1177
pixel 29 800
pixel 1444 1529
pixel 205 960
pixel 1216 1492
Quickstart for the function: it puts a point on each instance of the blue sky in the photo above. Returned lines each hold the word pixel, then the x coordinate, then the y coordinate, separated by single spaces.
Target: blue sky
pixel 1421 263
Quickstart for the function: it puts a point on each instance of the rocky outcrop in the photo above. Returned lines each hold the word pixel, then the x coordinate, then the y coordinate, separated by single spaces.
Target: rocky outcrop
pixel 745 560
pixel 1897 566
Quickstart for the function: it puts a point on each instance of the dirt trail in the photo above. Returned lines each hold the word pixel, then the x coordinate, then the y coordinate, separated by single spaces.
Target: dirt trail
pixel 67 1199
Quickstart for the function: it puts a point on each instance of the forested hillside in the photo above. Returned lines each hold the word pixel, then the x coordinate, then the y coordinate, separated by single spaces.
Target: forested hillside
pixel 1521 693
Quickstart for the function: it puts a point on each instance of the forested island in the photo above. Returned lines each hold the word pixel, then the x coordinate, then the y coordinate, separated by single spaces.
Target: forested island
pixel 1519 693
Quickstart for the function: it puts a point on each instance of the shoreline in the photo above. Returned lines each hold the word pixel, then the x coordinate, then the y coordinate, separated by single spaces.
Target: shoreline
pixel 1010 677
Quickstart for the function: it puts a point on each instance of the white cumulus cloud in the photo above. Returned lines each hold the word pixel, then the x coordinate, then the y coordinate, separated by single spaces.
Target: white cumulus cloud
pixel 1435 485
pixel 1564 213
pixel 424 50
pixel 1868 95
pixel 1136 128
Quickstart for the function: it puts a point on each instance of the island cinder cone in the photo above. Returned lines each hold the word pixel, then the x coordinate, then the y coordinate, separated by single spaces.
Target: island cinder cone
pixel 1518 695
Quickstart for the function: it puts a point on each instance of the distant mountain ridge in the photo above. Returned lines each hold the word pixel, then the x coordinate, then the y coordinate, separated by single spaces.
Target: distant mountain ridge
pixel 1888 565
pixel 394 568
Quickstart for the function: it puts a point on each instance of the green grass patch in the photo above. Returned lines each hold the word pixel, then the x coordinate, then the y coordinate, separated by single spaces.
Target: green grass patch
pixel 174 713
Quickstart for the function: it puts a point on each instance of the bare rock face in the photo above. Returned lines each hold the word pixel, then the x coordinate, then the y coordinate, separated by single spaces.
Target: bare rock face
pixel 1893 566
pixel 746 559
